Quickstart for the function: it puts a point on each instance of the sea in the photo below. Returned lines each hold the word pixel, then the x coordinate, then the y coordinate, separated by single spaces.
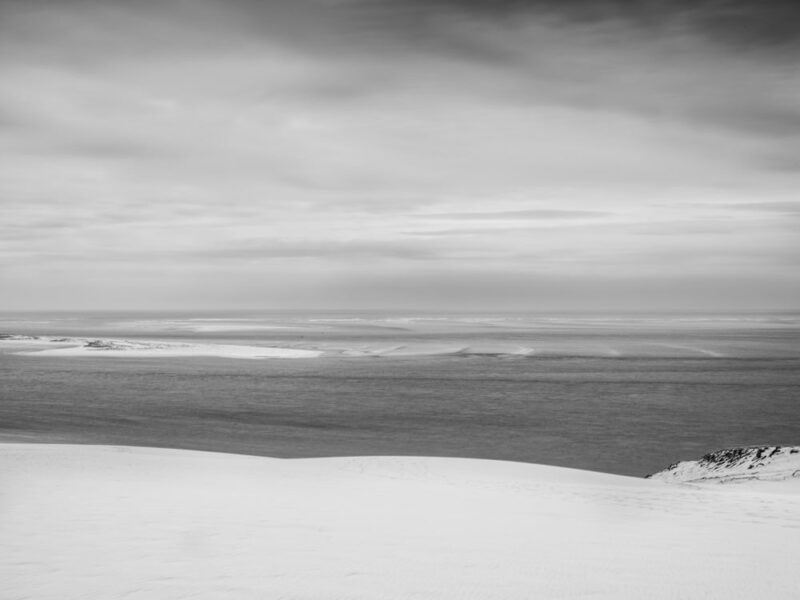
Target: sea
pixel 618 393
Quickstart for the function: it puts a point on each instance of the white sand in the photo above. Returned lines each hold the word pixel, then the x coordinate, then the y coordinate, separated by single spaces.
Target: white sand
pixel 99 522
pixel 397 347
pixel 113 348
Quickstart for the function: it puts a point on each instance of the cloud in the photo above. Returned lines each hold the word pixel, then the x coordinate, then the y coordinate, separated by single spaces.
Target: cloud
pixel 309 249
pixel 542 214
pixel 738 24
pixel 381 139
pixel 784 207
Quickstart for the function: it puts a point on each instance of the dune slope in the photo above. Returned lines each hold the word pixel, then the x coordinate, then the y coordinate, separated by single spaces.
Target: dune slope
pixel 136 523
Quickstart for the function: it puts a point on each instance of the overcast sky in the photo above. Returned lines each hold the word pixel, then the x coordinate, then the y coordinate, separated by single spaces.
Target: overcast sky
pixel 416 154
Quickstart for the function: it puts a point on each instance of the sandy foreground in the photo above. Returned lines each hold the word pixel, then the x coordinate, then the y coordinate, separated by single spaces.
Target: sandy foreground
pixel 106 522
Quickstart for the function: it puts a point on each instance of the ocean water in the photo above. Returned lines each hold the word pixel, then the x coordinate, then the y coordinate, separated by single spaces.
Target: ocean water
pixel 624 394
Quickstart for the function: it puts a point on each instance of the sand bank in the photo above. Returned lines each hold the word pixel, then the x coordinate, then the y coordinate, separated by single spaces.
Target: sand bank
pixel 112 348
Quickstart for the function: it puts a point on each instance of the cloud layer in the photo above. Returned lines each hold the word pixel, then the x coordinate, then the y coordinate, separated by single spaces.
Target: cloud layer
pixel 399 154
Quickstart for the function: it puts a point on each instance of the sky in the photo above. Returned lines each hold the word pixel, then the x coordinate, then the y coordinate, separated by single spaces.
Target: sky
pixel 439 154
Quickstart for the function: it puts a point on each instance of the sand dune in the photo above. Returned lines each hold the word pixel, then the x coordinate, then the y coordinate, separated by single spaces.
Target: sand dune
pixel 114 522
